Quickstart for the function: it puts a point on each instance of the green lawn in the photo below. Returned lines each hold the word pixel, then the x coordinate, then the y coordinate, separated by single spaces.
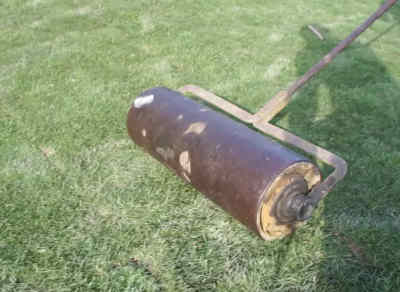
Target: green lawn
pixel 84 209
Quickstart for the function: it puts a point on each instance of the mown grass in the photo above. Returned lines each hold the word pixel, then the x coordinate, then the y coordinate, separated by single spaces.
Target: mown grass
pixel 83 208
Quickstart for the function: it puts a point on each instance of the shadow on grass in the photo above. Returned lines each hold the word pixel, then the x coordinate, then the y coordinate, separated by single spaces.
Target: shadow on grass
pixel 352 109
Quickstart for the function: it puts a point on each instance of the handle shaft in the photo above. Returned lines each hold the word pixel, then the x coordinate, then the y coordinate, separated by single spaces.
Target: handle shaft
pixel 279 101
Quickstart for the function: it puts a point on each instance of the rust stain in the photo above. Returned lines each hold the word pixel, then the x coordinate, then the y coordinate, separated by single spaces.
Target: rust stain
pixel 196 128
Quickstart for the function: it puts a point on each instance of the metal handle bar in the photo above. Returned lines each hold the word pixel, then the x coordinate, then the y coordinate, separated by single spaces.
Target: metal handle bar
pixel 261 119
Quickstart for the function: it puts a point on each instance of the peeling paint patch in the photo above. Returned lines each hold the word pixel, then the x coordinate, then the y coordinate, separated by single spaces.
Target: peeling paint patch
pixel 144 132
pixel 196 128
pixel 167 153
pixel 184 161
pixel 143 100
pixel 186 177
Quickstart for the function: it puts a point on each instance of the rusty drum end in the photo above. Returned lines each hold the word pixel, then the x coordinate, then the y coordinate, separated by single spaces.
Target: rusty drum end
pixel 268 226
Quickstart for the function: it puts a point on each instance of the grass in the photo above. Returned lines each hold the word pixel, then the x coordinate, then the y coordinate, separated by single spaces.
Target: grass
pixel 84 209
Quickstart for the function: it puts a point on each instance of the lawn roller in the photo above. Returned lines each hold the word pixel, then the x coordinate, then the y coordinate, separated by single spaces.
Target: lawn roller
pixel 266 186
